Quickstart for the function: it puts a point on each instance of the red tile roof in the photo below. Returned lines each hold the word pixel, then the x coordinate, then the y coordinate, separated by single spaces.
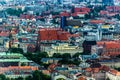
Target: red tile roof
pixel 83 9
pixel 81 12
pixel 4 34
pixel 74 14
pixel 62 35
pixel 49 34
pixel 115 72
pixel 103 12
pixel 46 72
pixel 111 48
pixel 78 13
pixel 55 16
pixel 109 44
pixel 13 68
pixel 104 68
pixel 96 70
pixel 64 14
pixel 112 45
pixel 13 32
pixel 23 67
pixel 113 8
pixel 51 67
pixel 82 78
pixel 96 21
pixel 16 40
pixel 39 17
pixel 74 35
pixel 88 69
pixel 111 14
pixel 23 16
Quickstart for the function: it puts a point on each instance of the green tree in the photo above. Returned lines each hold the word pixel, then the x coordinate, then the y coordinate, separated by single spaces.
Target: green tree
pixel 87 16
pixel 76 62
pixel 19 78
pixel 46 77
pixel 42 19
pixel 18 12
pixel 23 64
pixel 37 75
pixel 54 21
pixel 66 56
pixel 117 16
pixel 8 79
pixel 64 61
pixel 107 79
pixel 76 55
pixel 12 79
pixel 29 55
pixel 57 55
pixel 118 56
pixel 15 12
pixel 117 68
pixel 43 54
pixel 2 77
pixel 36 57
pixel 55 13
pixel 37 14
pixel 39 55
pixel 61 79
pixel 10 36
pixel 16 50
pixel 28 78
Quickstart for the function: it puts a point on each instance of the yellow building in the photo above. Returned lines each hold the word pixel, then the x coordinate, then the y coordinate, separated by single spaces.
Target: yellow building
pixel 7 44
pixel 63 46
pixel 15 45
pixel 105 26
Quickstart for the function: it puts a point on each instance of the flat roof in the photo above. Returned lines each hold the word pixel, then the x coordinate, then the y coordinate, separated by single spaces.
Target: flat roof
pixel 15 60
pixel 10 54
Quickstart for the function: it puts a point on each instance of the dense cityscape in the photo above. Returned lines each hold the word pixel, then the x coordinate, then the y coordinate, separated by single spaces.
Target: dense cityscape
pixel 59 39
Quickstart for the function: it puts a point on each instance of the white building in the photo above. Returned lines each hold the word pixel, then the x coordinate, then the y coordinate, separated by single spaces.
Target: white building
pixel 113 75
pixel 117 2
pixel 56 76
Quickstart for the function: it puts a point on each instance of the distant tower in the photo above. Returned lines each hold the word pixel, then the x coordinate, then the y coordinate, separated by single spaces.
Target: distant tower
pixel 63 22
pixel 72 9
pixel 38 45
pixel 99 32
pixel 87 46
